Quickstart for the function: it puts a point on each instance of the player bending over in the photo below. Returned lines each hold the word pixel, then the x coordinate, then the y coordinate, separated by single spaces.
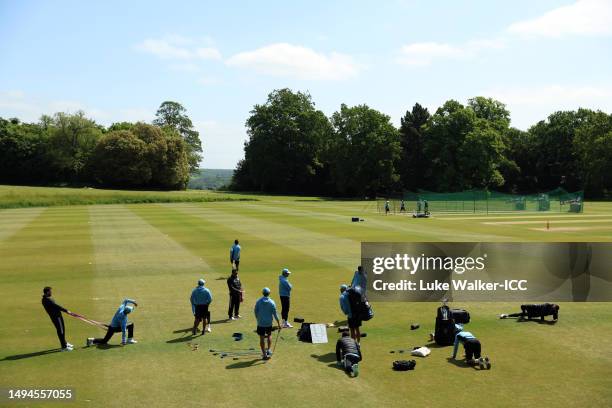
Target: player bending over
pixel 535 310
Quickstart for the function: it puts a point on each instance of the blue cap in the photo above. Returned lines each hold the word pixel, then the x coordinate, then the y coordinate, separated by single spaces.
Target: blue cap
pixel 286 272
pixel 201 282
pixel 266 291
pixel 128 309
pixel 343 287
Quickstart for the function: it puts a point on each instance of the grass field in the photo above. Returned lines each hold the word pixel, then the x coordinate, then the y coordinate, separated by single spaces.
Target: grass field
pixel 19 197
pixel 96 255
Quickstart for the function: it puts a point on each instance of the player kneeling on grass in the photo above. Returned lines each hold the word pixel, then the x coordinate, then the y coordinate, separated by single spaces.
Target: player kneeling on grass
pixel 472 348
pixel 539 310
pixel 200 300
pixel 265 310
pixel 119 324
pixel 348 354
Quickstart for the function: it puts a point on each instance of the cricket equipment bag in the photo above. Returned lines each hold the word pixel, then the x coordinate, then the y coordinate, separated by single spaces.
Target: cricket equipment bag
pixel 404 365
pixel 360 307
pixel 460 316
pixel 444 334
pixel 304 333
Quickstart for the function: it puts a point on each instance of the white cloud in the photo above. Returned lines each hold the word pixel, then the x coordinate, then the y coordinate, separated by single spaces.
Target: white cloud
pixel 205 80
pixel 584 17
pixel 288 60
pixel 528 105
pixel 174 47
pixel 184 67
pixel 425 53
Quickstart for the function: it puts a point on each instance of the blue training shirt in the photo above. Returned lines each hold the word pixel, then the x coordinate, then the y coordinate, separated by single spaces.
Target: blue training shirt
pixel 120 319
pixel 345 305
pixel 265 310
pixel 461 337
pixel 200 296
pixel 235 253
pixel 284 286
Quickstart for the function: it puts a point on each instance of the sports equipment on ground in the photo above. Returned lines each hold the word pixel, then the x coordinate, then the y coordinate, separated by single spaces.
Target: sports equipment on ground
pixel 304 333
pixel 298 320
pixel 404 365
pixel 444 334
pixel 460 316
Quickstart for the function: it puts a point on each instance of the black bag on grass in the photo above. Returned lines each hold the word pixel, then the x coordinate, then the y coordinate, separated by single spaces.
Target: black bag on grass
pixel 460 316
pixel 304 333
pixel 444 334
pixel 404 365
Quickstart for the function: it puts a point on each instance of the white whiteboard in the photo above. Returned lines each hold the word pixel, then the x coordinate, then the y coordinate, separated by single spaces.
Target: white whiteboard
pixel 318 332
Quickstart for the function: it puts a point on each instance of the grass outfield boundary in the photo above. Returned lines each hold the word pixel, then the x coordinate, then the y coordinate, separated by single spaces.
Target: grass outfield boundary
pixel 24 197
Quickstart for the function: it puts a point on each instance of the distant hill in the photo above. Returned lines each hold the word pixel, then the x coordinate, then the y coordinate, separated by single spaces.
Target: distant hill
pixel 211 179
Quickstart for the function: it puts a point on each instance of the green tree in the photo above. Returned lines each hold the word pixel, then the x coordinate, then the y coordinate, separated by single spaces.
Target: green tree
pixel 555 163
pixel 593 150
pixel 286 137
pixel 119 160
pixel 412 163
pixel 481 156
pixel 23 152
pixel 364 151
pixel 72 138
pixel 173 115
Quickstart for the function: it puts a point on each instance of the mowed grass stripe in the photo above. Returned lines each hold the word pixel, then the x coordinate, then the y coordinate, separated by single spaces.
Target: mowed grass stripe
pixel 340 251
pixel 377 227
pixel 12 221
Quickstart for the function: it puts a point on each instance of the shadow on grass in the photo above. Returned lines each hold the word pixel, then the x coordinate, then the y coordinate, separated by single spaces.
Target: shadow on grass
pixel 29 355
pixel 106 346
pixel 220 321
pixel 330 360
pixel 183 339
pixel 546 322
pixel 461 363
pixel 186 330
pixel 246 364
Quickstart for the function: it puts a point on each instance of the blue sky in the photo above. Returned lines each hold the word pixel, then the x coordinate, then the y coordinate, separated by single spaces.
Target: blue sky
pixel 119 60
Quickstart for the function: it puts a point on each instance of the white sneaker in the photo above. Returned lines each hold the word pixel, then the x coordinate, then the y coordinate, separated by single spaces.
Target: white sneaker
pixel 503 316
pixel 69 345
pixel 237 317
pixel 89 342
pixel 233 318
pixel 67 348
pixel 131 341
pixel 208 329
pixel 288 325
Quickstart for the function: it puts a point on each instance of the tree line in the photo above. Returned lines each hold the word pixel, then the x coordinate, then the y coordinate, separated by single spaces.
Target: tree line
pixel 293 147
pixel 72 149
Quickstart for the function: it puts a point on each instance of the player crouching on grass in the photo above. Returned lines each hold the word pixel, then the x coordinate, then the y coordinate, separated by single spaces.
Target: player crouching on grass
pixel 472 348
pixel 119 324
pixel 200 300
pixel 265 310
pixel 539 310
pixel 348 354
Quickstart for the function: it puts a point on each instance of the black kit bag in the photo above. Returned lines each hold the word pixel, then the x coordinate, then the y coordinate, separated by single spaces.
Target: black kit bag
pixel 404 365
pixel 304 333
pixel 460 316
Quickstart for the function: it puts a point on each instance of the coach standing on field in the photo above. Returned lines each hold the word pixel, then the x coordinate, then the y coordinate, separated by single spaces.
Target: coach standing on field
pixel 284 291
pixel 235 255
pixel 55 313
pixel 235 296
